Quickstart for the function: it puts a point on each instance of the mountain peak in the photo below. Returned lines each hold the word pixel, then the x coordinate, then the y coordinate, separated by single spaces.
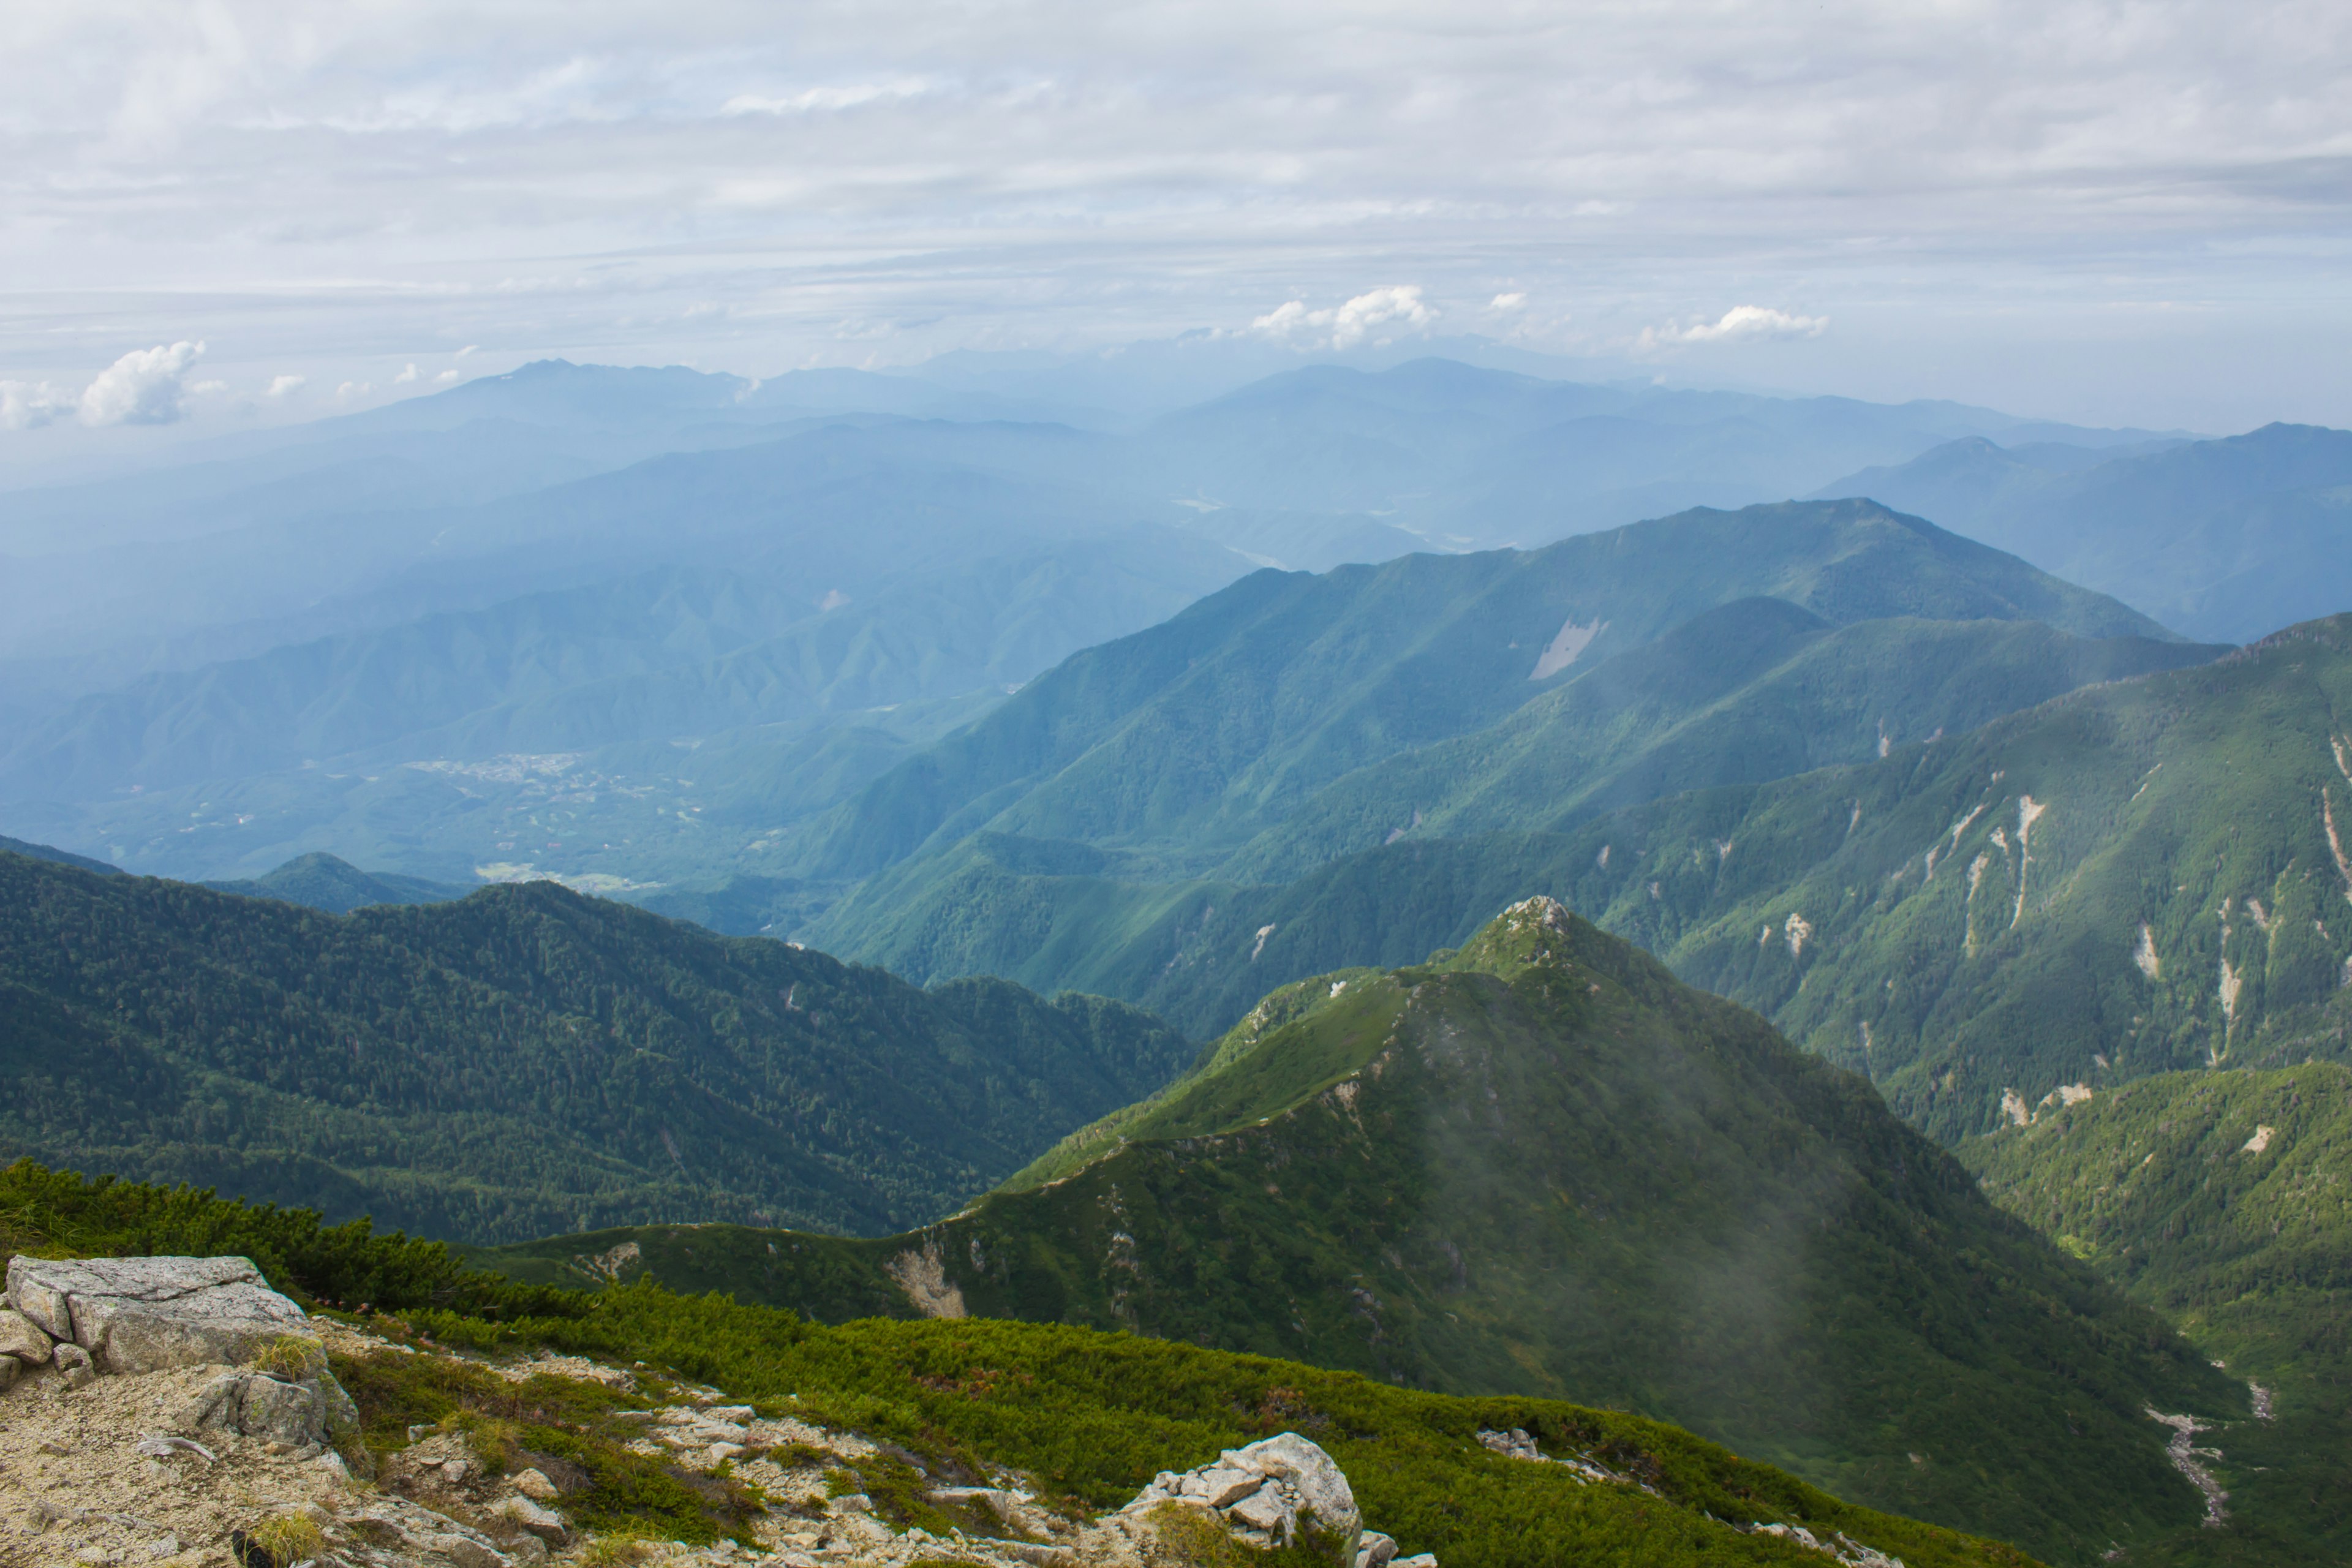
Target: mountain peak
pixel 1537 931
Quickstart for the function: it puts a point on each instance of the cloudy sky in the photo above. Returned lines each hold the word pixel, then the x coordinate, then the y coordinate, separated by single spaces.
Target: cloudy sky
pixel 2117 212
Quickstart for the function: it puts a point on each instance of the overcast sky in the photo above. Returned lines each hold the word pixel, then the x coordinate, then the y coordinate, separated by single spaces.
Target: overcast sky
pixel 2113 213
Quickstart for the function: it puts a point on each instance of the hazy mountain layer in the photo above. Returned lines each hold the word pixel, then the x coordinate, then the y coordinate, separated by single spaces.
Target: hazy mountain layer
pixel 2226 538
pixel 523 1061
pixel 1541 1164
pixel 2224 1200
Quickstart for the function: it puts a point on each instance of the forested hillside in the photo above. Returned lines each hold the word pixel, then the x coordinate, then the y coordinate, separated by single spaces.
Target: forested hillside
pixel 1180 742
pixel 2141 876
pixel 2223 1200
pixel 524 1061
pixel 1543 1164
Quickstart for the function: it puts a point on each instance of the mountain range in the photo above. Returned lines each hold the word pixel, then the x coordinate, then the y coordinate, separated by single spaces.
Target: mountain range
pixel 344 637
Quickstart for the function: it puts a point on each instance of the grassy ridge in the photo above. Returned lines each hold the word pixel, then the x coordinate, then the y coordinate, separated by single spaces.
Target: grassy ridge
pixel 526 1060
pixel 1092 1415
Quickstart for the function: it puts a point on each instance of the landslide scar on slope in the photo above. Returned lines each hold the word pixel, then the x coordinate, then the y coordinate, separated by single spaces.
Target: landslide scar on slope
pixel 923 1276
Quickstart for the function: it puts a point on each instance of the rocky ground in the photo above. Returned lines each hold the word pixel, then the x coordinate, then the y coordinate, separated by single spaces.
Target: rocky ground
pixel 256 1460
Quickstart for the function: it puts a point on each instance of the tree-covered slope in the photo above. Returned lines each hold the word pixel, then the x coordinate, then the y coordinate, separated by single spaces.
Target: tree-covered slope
pixel 1179 743
pixel 1756 690
pixel 523 1061
pixel 1542 1165
pixel 2224 1200
pixel 2138 877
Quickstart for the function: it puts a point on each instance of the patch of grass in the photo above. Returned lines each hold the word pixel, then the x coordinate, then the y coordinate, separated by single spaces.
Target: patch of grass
pixel 291 1356
pixel 284 1538
pixel 1195 1538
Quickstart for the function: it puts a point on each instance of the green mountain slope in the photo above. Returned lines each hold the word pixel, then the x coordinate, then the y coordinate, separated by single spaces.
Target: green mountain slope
pixel 1542 1165
pixel 1090 1416
pixel 320 881
pixel 1755 691
pixel 2223 1199
pixel 2178 893
pixel 523 1061
pixel 1179 743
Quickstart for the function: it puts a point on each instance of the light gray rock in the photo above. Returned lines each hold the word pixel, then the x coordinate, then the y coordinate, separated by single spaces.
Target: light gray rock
pixel 309 1414
pixel 22 1337
pixel 276 1412
pixel 1425 1560
pixel 144 1314
pixel 1322 1487
pixel 1267 1511
pixel 1377 1551
pixel 543 1522
pixel 534 1485
pixel 1222 1485
pixel 1267 1491
pixel 74 1362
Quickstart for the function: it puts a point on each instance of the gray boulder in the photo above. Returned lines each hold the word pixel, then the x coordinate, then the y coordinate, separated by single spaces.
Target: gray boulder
pixel 305 1413
pixel 144 1314
pixel 1268 1492
pixel 22 1339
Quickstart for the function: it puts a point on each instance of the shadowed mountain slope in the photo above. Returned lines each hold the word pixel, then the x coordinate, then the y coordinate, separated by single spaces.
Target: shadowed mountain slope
pixel 525 1061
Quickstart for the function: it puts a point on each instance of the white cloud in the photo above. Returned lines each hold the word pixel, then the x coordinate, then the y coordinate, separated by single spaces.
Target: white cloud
pixel 1509 302
pixel 1351 323
pixel 821 99
pixel 352 389
pixel 446 375
pixel 405 376
pixel 1740 322
pixel 469 348
pixel 279 385
pixel 24 404
pixel 145 386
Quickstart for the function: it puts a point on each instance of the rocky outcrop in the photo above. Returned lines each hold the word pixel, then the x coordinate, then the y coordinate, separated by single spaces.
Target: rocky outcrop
pixel 144 1314
pixel 1274 1492
pixel 301 1413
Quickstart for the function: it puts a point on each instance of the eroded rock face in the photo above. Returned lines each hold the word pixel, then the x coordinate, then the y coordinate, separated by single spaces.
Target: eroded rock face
pixel 145 1314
